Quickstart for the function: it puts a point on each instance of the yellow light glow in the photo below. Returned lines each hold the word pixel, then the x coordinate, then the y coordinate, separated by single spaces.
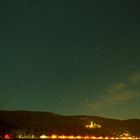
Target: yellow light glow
pixel 43 137
pixel 93 125
pixel 78 137
pixel 62 137
pixel 54 136
pixel 100 137
pixel 93 137
pixel 70 137
pixel 87 137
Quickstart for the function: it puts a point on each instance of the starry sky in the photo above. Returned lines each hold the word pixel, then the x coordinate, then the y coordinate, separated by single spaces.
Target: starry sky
pixel 72 57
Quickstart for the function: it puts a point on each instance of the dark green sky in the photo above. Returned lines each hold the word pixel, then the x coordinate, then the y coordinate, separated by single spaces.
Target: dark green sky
pixel 71 56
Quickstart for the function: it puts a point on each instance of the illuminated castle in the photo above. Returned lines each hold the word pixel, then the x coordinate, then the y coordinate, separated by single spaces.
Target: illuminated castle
pixel 93 125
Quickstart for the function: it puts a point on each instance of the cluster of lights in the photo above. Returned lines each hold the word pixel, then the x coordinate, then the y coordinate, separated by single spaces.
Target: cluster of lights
pixel 88 137
pixel 54 136
pixel 93 125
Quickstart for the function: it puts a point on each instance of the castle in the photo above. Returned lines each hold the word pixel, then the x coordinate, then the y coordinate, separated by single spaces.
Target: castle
pixel 93 125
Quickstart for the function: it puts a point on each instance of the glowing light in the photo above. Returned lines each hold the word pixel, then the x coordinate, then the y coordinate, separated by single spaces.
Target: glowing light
pixel 54 136
pixel 93 125
pixel 78 137
pixel 70 137
pixel 93 137
pixel 87 137
pixel 100 137
pixel 62 137
pixel 43 137
pixel 7 136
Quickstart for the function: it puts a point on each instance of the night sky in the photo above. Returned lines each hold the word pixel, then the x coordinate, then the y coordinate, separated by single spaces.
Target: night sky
pixel 72 57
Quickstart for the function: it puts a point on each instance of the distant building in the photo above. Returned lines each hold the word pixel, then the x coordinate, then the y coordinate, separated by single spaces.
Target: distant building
pixel 93 125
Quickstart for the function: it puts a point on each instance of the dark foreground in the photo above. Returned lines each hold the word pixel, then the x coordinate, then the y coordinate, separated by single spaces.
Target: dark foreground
pixel 136 138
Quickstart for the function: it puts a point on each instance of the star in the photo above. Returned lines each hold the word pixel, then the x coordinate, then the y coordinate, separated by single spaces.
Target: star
pixel 62 98
pixel 86 100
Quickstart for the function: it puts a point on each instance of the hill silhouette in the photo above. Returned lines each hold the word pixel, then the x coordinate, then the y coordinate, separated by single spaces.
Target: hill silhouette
pixel 37 123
